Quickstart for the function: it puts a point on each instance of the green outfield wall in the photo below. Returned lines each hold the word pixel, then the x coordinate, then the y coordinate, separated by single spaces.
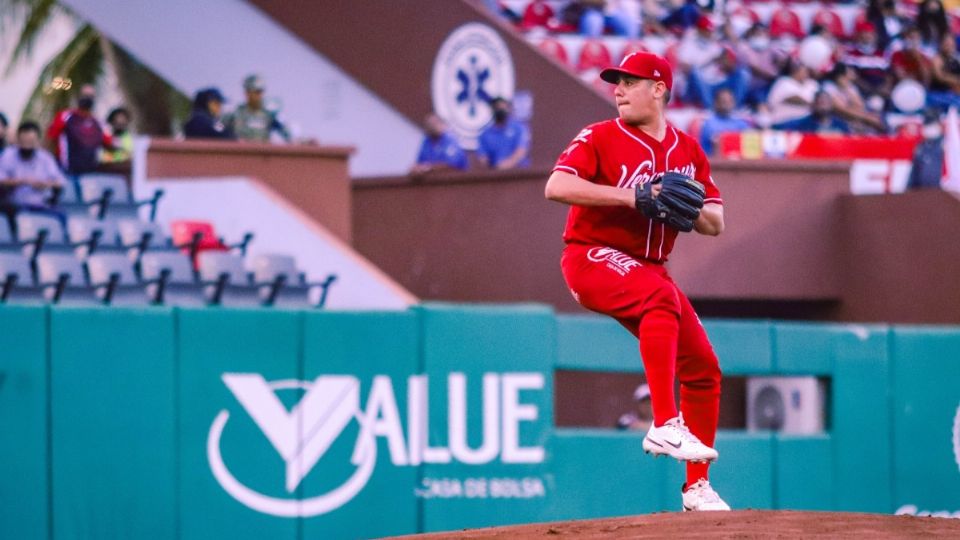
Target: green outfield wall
pixel 217 423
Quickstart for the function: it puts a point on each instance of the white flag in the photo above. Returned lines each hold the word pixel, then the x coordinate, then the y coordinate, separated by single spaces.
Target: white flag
pixel 951 152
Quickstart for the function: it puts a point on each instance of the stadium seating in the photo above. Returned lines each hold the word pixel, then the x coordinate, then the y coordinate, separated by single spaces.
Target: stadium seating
pixel 554 49
pixel 44 234
pixel 785 22
pixel 67 200
pixel 8 244
pixel 195 237
pixel 594 56
pixel 93 235
pixel 228 282
pixel 18 284
pixel 170 279
pixel 829 19
pixel 114 198
pixel 283 285
pixel 113 280
pixel 63 279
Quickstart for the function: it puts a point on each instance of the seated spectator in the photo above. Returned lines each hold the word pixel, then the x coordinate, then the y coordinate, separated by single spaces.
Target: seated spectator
pixel 598 16
pixel 3 131
pixel 931 21
pixel 27 173
pixel 944 90
pixel 791 95
pixel 866 57
pixel 909 62
pixel 708 66
pixel 682 17
pixel 762 61
pixel 623 17
pixel 205 120
pixel 440 150
pixel 505 143
pixel 252 121
pixel 78 136
pixel 721 121
pixel 119 122
pixel 723 73
pixel 823 118
pixel 883 15
pixel 840 85
pixel 926 171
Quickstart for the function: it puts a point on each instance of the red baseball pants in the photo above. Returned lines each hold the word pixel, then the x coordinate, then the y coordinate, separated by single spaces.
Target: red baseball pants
pixel 642 297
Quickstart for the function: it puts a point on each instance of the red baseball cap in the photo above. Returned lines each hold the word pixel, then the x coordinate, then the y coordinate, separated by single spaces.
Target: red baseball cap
pixel 864 26
pixel 704 23
pixel 643 65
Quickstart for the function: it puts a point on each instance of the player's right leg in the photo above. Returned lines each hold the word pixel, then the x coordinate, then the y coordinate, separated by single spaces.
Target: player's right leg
pixel 639 295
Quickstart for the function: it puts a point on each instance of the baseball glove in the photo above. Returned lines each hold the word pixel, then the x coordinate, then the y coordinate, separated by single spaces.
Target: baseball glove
pixel 678 204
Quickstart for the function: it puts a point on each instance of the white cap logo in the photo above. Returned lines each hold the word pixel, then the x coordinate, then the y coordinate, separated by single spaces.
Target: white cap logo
pixel 656 73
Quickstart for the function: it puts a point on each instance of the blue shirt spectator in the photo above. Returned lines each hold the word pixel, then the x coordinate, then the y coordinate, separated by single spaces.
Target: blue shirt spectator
pixel 439 150
pixel 720 121
pixel 505 143
pixel 822 118
pixel 205 121
pixel 813 124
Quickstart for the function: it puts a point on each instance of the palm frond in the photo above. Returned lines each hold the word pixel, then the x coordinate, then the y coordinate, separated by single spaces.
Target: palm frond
pixel 39 14
pixel 81 62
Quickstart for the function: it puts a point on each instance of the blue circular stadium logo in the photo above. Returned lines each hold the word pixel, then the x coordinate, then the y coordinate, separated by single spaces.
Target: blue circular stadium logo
pixel 472 66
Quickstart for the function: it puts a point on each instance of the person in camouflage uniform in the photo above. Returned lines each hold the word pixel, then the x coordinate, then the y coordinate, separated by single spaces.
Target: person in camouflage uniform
pixel 252 121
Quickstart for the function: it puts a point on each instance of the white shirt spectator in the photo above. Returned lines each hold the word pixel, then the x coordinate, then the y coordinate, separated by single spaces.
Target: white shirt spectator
pixel 41 167
pixel 783 89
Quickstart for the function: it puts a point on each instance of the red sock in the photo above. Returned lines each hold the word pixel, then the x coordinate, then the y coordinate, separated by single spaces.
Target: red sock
pixel 658 348
pixel 696 472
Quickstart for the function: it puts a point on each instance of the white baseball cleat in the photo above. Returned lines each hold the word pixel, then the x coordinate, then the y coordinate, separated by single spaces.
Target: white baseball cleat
pixel 700 497
pixel 675 440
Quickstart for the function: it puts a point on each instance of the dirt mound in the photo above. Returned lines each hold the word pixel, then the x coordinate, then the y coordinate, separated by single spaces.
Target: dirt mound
pixel 740 524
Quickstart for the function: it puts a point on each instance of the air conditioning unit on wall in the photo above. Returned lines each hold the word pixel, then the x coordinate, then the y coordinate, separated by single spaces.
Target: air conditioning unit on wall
pixel 786 404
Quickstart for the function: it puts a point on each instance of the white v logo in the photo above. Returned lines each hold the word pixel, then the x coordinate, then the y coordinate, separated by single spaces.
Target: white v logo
pixel 302 435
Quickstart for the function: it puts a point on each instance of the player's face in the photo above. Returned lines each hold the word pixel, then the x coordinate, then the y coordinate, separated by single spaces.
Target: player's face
pixel 638 99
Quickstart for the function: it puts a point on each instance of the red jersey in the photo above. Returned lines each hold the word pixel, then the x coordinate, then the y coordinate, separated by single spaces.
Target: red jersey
pixel 613 153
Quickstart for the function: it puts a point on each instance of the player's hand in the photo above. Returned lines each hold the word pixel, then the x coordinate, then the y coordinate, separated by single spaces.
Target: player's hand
pixel 677 201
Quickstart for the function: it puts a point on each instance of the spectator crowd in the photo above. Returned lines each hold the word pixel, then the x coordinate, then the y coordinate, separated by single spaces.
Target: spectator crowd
pixel 77 143
pixel 759 64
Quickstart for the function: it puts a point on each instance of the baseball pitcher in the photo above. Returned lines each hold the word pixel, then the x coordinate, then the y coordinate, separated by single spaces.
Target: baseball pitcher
pixel 633 184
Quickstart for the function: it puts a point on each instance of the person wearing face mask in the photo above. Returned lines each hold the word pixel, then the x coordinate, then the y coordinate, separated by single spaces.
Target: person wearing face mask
pixel 27 174
pixel 910 62
pixel 505 143
pixel 867 60
pixel 926 171
pixel 119 121
pixel 440 150
pixel 763 61
pixel 78 136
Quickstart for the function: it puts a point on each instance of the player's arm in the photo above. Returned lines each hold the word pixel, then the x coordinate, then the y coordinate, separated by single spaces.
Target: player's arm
pixel 710 222
pixel 571 189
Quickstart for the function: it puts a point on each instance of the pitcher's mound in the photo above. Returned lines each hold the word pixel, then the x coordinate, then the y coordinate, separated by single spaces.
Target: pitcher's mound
pixel 739 524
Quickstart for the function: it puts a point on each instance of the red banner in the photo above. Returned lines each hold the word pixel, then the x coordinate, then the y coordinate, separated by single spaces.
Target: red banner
pixel 792 145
